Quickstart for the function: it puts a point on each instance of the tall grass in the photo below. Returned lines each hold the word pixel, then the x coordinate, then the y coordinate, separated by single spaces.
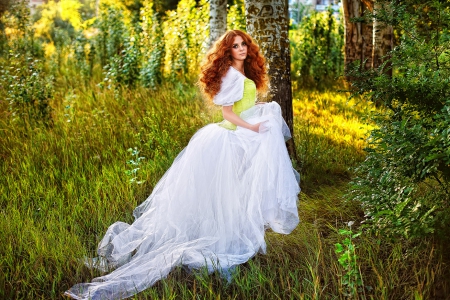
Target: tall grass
pixel 62 186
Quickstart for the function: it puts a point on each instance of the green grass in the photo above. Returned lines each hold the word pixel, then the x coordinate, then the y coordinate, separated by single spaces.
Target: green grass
pixel 61 187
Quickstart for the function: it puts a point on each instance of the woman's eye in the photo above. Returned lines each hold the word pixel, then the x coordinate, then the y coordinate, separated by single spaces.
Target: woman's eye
pixel 244 44
pixel 235 46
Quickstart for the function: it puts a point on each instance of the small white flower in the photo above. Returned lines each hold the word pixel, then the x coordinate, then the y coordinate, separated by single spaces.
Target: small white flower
pixel 349 224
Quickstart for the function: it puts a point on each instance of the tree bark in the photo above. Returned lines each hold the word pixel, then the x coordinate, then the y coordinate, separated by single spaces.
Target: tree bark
pixel 383 36
pixel 358 35
pixel 97 7
pixel 217 19
pixel 268 25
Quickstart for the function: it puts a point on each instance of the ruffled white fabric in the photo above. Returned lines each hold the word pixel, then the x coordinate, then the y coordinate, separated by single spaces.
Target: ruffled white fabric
pixel 210 209
pixel 231 88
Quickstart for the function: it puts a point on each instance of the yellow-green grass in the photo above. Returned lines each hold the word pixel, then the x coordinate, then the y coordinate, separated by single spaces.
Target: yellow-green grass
pixel 61 187
pixel 330 133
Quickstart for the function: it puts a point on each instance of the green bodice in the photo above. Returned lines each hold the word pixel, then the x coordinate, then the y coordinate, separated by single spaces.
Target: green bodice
pixel 247 101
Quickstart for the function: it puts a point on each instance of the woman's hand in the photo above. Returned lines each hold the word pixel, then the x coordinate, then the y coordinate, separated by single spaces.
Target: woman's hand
pixel 259 127
pixel 230 116
pixel 255 127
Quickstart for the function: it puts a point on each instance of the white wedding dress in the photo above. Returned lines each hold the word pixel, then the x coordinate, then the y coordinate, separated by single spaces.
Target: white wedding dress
pixel 211 208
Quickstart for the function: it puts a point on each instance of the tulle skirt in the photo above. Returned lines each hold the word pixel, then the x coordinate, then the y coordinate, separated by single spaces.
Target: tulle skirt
pixel 210 209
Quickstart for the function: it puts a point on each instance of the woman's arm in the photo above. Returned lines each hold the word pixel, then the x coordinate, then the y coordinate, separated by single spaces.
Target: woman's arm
pixel 229 115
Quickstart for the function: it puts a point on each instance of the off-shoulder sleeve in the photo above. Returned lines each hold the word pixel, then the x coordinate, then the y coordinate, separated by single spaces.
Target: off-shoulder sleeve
pixel 231 89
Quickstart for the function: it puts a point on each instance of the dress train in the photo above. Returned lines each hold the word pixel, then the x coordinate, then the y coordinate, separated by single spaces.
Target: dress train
pixel 210 209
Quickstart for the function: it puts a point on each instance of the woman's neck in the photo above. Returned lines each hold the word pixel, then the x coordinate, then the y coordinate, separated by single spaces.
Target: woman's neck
pixel 238 65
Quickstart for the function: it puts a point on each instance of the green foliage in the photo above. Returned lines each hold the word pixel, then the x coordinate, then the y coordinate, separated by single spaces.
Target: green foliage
pixel 78 187
pixel 404 182
pixel 134 163
pixel 4 5
pixel 151 49
pixel 25 85
pixel 184 46
pixel 112 32
pixel 84 54
pixel 19 37
pixel 57 22
pixel 152 46
pixel 77 166
pixel 317 57
pixel 63 184
pixel 351 278
pixel 119 47
pixel 161 6
pixel 236 16
pixel 124 67
pixel 29 90
pixel 18 17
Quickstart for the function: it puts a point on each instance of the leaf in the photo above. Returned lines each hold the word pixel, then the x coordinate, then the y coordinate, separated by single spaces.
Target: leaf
pixel 344 232
pixel 356 235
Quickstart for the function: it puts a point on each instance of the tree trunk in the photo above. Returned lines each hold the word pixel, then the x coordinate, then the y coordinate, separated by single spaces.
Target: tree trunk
pixel 97 8
pixel 286 11
pixel 217 19
pixel 268 25
pixel 382 41
pixel 358 35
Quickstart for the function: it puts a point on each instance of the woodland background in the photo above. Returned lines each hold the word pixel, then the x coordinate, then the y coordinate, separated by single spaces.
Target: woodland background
pixel 98 97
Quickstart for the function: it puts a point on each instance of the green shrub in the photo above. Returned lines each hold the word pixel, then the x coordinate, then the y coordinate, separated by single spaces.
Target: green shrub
pixel 152 46
pixel 404 182
pixel 119 47
pixel 29 90
pixel 317 57
pixel 236 16
pixel 184 46
pixel 84 54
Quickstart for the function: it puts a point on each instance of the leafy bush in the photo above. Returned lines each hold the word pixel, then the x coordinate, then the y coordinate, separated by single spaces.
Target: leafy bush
pixel 29 90
pixel 24 83
pixel 184 46
pixel 17 32
pixel 84 53
pixel 316 44
pixel 152 47
pixel 404 181
pixel 236 16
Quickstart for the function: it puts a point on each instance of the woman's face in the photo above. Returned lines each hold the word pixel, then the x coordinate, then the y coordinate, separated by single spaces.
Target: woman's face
pixel 239 49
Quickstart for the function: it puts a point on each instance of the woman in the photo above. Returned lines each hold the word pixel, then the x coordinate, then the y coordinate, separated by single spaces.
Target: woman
pixel 210 209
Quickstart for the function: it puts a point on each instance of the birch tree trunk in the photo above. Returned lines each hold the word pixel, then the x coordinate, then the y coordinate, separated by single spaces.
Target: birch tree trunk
pixel 268 24
pixel 383 40
pixel 97 7
pixel 217 19
pixel 358 35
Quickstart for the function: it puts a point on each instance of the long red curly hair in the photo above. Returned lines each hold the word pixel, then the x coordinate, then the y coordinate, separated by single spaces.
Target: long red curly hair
pixel 218 61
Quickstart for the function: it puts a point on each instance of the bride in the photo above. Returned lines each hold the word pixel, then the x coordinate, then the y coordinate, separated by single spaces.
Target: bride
pixel 211 208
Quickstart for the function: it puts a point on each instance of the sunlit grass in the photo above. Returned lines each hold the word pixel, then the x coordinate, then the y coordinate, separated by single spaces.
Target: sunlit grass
pixel 330 133
pixel 61 187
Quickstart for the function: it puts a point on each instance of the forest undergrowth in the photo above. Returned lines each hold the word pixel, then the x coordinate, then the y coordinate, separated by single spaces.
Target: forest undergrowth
pixel 63 185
